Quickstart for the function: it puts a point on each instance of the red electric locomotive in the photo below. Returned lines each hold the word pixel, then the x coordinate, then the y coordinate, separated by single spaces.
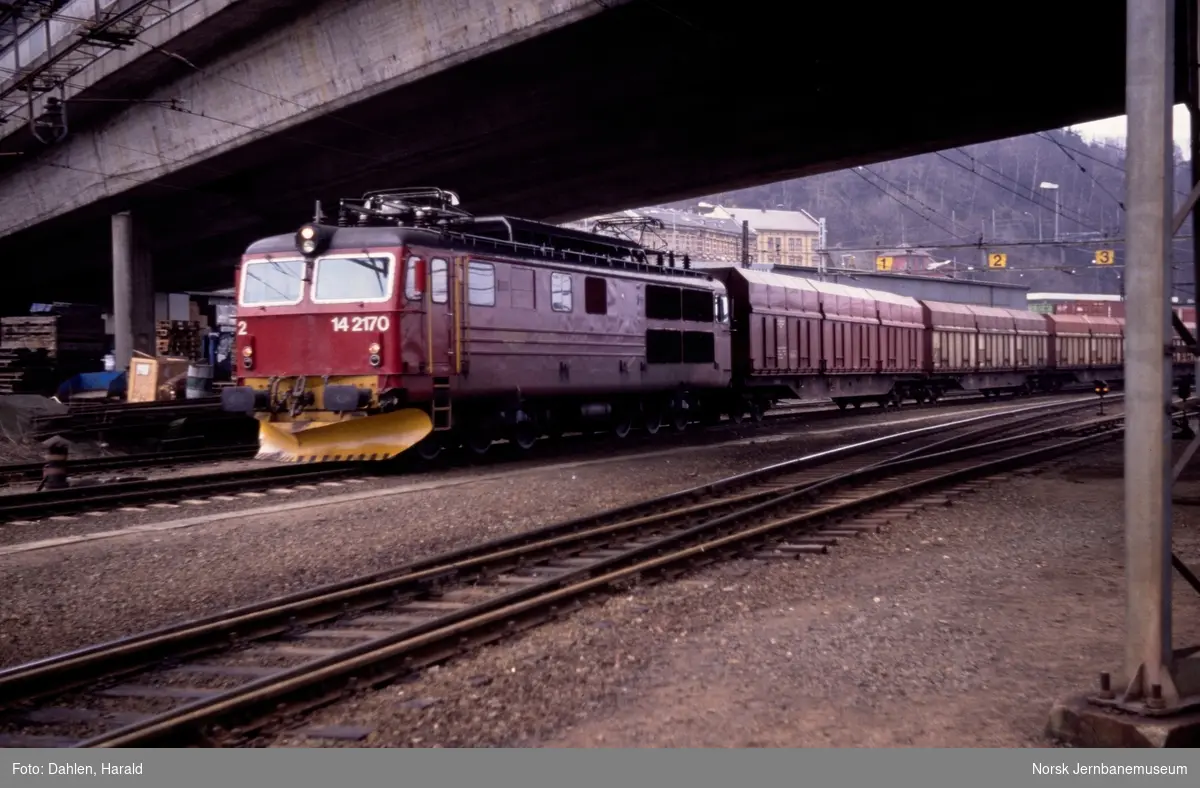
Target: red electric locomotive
pixel 413 323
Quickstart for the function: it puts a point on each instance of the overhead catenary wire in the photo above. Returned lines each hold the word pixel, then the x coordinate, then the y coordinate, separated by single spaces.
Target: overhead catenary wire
pixel 1082 169
pixel 905 205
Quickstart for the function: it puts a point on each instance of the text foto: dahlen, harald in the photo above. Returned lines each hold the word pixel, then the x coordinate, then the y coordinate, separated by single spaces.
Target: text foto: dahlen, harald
pixel 81 769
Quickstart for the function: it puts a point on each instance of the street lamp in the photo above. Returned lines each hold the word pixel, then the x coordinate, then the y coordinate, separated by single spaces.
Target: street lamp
pixel 1054 187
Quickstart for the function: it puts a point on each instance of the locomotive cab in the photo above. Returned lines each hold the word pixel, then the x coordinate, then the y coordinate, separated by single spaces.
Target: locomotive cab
pixel 318 343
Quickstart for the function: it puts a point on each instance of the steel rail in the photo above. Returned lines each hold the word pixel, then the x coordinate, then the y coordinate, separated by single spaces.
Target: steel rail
pixel 80 499
pixel 381 658
pixel 33 470
pixel 131 655
pixel 443 566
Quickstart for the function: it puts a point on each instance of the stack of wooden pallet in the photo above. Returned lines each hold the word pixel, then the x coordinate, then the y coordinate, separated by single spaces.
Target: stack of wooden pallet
pixel 40 350
pixel 179 338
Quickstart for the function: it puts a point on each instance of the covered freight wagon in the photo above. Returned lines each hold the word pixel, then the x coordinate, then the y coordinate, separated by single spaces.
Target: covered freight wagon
pixel 1108 341
pixel 996 340
pixel 901 332
pixel 949 337
pixel 1070 340
pixel 849 330
pixel 777 321
pixel 1033 339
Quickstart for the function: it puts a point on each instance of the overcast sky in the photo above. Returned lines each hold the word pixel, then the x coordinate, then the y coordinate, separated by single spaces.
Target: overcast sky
pixel 1114 128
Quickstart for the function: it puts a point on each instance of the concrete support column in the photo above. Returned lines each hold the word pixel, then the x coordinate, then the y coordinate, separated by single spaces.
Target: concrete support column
pixel 1149 97
pixel 133 291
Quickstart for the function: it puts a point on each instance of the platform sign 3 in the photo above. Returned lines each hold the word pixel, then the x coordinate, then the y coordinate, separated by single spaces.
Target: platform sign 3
pixel 997 260
pixel 1105 257
pixel 883 263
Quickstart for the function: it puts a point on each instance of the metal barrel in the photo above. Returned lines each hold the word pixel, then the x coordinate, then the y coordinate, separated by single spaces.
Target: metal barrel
pixel 54 472
pixel 199 381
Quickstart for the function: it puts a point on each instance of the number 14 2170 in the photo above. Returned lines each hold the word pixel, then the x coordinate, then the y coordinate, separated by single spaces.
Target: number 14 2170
pixel 361 323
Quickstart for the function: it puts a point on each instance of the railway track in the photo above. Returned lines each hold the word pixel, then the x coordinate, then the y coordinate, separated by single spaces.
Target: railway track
pixel 31 471
pixel 94 499
pixel 221 678
pixel 31 506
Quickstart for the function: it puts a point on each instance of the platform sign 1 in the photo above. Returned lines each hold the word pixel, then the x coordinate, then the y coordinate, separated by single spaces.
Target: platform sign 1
pixel 883 263
pixel 1105 257
pixel 997 260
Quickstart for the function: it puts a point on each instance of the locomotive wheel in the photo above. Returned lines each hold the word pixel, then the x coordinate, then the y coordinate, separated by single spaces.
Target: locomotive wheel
pixel 525 435
pixel 479 444
pixel 679 419
pixel 525 432
pixel 430 448
pixel 653 420
pixel 623 425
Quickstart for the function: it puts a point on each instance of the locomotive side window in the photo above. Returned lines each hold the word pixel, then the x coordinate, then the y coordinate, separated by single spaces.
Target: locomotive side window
pixel 595 295
pixel 697 306
pixel 723 315
pixel 699 347
pixel 410 279
pixel 353 278
pixel 439 287
pixel 664 347
pixel 481 284
pixel 663 303
pixel 272 282
pixel 560 293
pixel 521 285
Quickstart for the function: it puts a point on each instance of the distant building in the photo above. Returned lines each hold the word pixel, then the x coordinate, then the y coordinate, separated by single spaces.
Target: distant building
pixel 705 239
pixel 913 261
pixel 782 237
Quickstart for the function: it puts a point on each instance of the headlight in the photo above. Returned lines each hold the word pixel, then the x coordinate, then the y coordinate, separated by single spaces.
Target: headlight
pixel 374 348
pixel 247 351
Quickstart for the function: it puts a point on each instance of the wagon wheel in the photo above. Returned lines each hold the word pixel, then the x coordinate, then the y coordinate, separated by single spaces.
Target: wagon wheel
pixel 757 411
pixel 841 403
pixel 737 414
pixel 623 424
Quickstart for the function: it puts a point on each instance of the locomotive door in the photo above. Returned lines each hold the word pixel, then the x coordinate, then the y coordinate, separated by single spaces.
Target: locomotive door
pixel 444 314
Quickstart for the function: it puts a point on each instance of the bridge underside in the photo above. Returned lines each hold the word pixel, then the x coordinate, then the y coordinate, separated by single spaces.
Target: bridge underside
pixel 651 101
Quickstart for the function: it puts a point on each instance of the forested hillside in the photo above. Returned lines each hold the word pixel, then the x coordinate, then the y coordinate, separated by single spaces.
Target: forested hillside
pixel 952 200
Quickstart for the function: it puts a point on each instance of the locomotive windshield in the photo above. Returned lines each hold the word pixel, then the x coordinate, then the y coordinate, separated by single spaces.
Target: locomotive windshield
pixel 353 278
pixel 266 282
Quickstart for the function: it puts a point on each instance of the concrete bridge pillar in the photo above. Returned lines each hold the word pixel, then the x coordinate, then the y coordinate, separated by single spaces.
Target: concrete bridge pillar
pixel 133 290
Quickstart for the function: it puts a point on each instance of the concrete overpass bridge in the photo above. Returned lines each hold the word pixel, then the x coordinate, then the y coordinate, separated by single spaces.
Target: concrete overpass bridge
pixel 229 118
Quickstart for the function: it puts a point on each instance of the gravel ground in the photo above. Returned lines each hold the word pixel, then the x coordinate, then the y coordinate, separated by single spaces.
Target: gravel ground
pixel 67 597
pixel 955 629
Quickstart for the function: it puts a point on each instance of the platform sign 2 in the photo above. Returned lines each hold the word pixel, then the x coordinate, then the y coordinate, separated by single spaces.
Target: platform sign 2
pixel 1105 257
pixel 997 260
pixel 883 263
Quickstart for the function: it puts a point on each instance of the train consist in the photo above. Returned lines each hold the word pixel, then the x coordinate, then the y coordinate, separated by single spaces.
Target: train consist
pixel 410 323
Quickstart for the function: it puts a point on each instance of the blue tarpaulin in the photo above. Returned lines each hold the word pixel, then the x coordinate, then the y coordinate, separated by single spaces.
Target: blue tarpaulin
pixel 111 382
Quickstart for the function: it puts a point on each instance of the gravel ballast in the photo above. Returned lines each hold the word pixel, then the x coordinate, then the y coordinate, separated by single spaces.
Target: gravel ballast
pixel 67 597
pixel 957 628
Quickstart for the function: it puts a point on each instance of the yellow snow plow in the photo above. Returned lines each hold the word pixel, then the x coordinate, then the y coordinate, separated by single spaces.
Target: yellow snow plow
pixel 377 437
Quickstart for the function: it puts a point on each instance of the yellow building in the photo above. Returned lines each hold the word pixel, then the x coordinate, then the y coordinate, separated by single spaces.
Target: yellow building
pixel 781 237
